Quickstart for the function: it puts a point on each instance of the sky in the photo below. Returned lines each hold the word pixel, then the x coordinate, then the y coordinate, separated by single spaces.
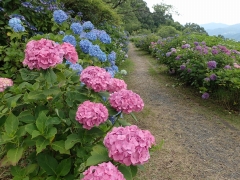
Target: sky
pixel 203 11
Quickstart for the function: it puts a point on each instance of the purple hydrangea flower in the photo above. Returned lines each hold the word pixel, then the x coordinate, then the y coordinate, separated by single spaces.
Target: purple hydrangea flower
pixel 168 54
pixel 205 95
pixel 178 57
pixel 186 46
pixel 213 77
pixel 212 64
pixel 207 79
pixel 196 43
pixel 182 67
pixel 227 67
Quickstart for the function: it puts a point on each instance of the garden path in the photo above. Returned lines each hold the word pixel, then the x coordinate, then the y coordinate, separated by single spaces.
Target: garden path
pixel 196 145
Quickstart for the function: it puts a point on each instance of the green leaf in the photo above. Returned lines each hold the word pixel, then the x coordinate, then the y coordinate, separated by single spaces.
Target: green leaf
pixel 30 128
pixel 47 163
pixel 41 122
pixel 64 167
pixel 73 96
pixel 99 154
pixel 50 76
pixel 53 120
pixel 27 117
pixel 60 146
pixel 72 139
pixel 30 168
pixel 134 117
pixel 35 133
pixel 12 101
pixel 41 144
pixel 50 133
pixel 36 95
pixel 14 155
pixel 126 172
pixel 21 131
pixel 134 170
pixel 28 75
pixel 11 124
pixel 17 171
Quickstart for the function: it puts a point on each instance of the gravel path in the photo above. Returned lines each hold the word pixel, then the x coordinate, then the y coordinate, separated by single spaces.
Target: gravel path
pixel 196 146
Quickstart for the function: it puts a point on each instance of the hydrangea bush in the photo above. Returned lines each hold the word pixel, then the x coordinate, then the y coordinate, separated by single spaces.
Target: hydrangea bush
pixel 59 116
pixel 210 64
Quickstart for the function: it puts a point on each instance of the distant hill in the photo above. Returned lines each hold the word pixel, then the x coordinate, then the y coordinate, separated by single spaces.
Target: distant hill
pixel 213 25
pixel 228 31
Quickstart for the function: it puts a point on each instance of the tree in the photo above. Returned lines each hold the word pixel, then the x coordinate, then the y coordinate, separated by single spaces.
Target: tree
pixel 194 28
pixel 167 31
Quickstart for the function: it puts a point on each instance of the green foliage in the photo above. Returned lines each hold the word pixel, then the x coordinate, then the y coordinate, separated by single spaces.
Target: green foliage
pixel 167 31
pixel 95 11
pixel 194 28
pixel 190 65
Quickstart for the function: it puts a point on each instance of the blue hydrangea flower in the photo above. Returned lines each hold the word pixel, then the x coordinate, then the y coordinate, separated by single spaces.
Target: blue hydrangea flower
pixel 12 22
pixel 102 57
pixel 110 71
pixel 92 36
pixel 1 9
pixel 27 4
pixel 59 16
pixel 70 39
pixel 76 28
pixel 115 68
pixel 18 28
pixel 95 51
pixel 83 35
pixel 61 32
pixel 112 56
pixel 88 25
pixel 85 45
pixel 104 37
pixel 76 67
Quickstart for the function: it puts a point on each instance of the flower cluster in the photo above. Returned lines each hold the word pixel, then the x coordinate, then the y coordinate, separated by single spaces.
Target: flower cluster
pixel 95 51
pixel 92 36
pixel 70 52
pixel 104 171
pixel 104 37
pixel 205 95
pixel 185 46
pixel 129 145
pixel 85 45
pixel 76 28
pixel 116 85
pixel 76 67
pixel 42 54
pixel 126 101
pixel 91 114
pixel 59 16
pixel 96 78
pixel 212 64
pixel 70 39
pixel 4 83
pixel 88 25
pixel 112 56
pixel 16 25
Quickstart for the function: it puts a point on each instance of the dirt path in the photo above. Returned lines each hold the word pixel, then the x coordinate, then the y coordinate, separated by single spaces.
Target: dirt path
pixel 196 146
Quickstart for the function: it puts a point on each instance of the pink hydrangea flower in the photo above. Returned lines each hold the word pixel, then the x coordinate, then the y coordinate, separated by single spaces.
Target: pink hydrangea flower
pixel 96 78
pixel 129 145
pixel 4 83
pixel 70 52
pixel 91 114
pixel 236 65
pixel 126 101
pixel 116 85
pixel 42 54
pixel 104 171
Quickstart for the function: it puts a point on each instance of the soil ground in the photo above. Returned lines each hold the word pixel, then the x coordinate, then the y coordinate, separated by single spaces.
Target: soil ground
pixel 199 143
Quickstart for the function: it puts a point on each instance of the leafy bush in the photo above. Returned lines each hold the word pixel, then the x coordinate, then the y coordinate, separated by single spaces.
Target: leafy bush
pixel 59 118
